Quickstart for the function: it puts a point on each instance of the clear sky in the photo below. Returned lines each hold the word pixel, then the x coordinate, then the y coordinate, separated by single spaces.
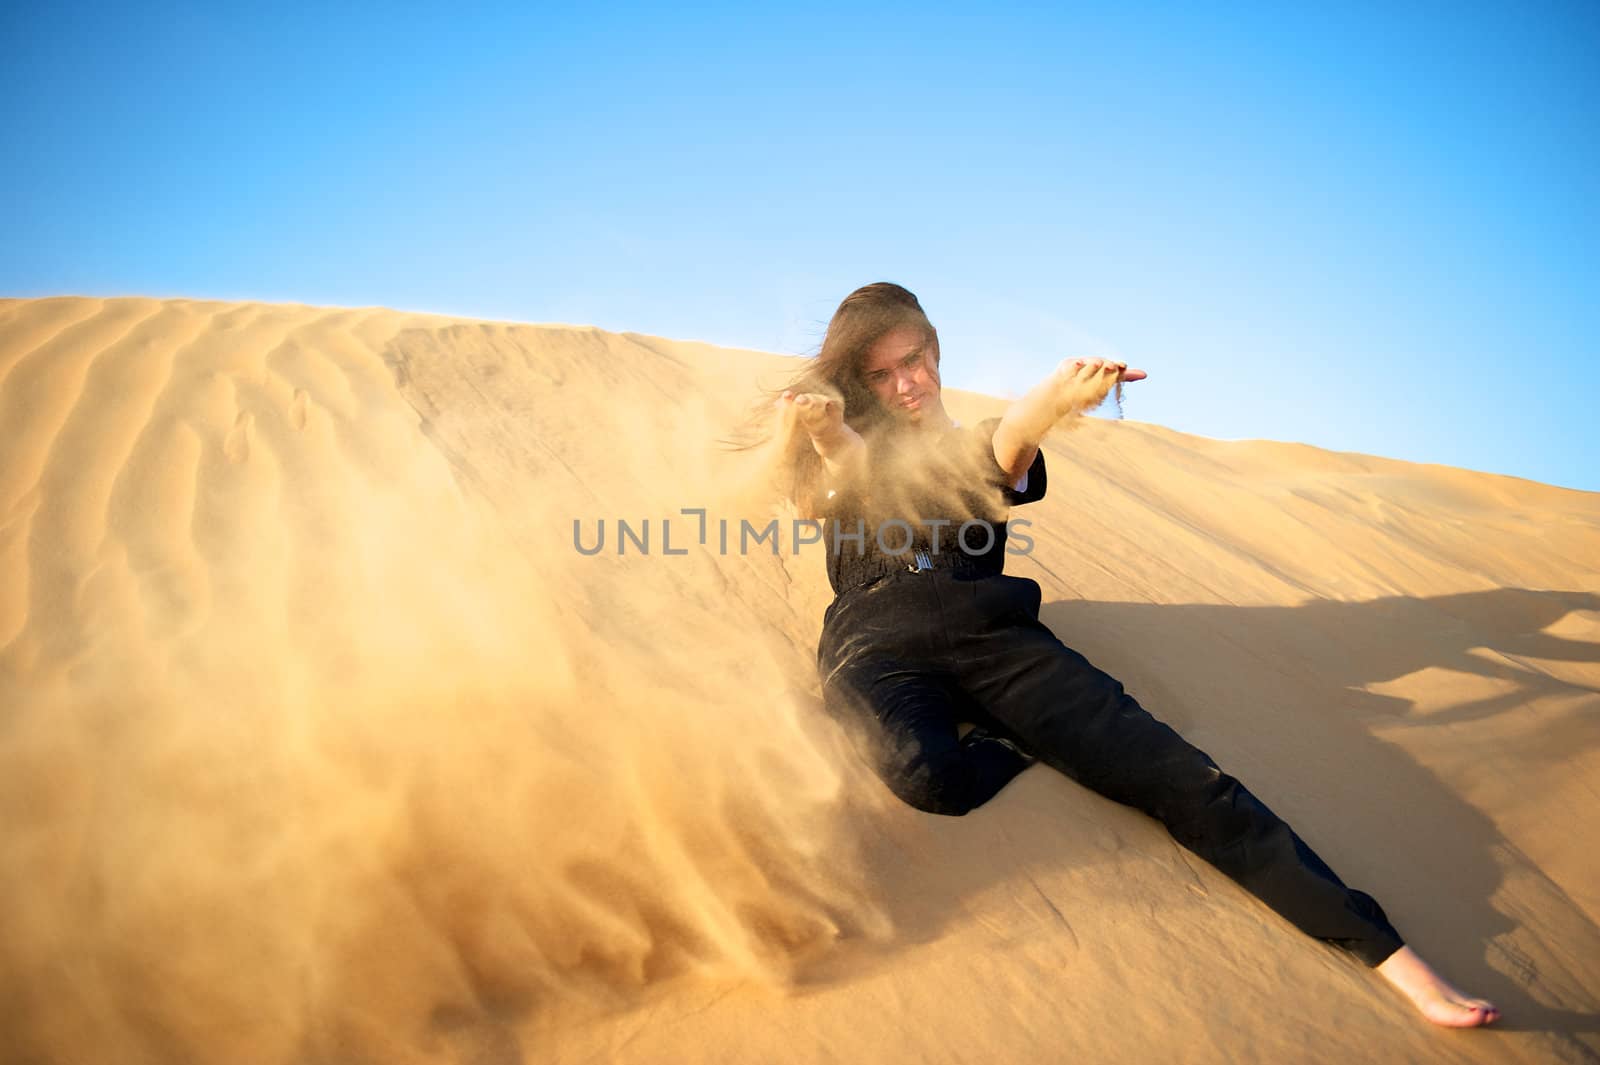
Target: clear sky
pixel 1356 227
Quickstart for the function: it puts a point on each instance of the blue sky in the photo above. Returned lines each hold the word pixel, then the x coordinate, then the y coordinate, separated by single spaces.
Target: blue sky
pixel 1360 228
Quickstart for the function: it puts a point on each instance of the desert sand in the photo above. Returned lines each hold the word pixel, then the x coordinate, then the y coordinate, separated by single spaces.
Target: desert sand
pixel 322 742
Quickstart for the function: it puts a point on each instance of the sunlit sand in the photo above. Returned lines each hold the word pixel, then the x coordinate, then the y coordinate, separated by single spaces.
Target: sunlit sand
pixel 321 741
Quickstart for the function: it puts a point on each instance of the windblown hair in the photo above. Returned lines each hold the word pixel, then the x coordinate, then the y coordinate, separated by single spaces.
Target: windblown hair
pixel 863 318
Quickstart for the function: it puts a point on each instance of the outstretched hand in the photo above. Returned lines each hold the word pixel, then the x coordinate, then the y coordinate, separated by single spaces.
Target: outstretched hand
pixel 1076 385
pixel 822 419
pixel 1083 384
pixel 820 416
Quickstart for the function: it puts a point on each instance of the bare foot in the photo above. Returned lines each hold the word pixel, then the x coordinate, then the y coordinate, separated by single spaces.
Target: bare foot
pixel 1438 1001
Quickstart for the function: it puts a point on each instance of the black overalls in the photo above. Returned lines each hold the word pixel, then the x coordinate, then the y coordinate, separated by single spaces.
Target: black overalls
pixel 920 640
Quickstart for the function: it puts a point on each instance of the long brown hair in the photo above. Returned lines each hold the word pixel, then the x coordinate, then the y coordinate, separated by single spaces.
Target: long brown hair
pixel 863 318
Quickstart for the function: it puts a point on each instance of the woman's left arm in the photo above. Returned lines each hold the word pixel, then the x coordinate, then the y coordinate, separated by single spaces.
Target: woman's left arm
pixel 1074 386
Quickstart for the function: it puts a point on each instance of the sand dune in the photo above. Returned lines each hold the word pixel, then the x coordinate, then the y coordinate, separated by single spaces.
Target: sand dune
pixel 322 741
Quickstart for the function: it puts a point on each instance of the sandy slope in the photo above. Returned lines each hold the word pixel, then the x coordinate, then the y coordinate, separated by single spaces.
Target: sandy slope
pixel 321 742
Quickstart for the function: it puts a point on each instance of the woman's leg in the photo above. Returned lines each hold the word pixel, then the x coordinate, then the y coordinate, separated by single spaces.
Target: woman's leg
pixel 910 719
pixel 1079 720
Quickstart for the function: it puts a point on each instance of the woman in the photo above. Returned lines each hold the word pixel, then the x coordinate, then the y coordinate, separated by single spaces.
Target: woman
pixel 926 632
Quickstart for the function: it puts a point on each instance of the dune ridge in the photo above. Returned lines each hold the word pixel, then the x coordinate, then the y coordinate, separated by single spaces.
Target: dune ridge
pixel 323 742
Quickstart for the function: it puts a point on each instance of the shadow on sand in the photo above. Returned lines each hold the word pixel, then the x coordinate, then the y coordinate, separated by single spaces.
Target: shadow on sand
pixel 1321 754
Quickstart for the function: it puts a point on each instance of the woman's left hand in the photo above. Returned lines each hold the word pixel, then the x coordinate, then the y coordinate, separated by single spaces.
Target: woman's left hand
pixel 1083 384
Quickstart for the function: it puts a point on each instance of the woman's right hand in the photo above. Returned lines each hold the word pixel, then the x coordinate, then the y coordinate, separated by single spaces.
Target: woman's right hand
pixel 820 416
pixel 1083 384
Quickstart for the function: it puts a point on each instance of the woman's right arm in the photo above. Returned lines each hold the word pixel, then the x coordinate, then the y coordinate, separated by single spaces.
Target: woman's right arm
pixel 820 417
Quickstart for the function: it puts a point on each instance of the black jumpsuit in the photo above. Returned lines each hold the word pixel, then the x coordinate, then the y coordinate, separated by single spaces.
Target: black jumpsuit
pixel 920 640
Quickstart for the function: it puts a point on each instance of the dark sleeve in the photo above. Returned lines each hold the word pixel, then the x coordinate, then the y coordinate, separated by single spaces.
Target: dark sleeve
pixel 1033 486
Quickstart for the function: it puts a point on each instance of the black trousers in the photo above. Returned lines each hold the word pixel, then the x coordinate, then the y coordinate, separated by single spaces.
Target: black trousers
pixel 912 656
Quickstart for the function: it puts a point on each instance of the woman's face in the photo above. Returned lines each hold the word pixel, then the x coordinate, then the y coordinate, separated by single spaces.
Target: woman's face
pixel 902 371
